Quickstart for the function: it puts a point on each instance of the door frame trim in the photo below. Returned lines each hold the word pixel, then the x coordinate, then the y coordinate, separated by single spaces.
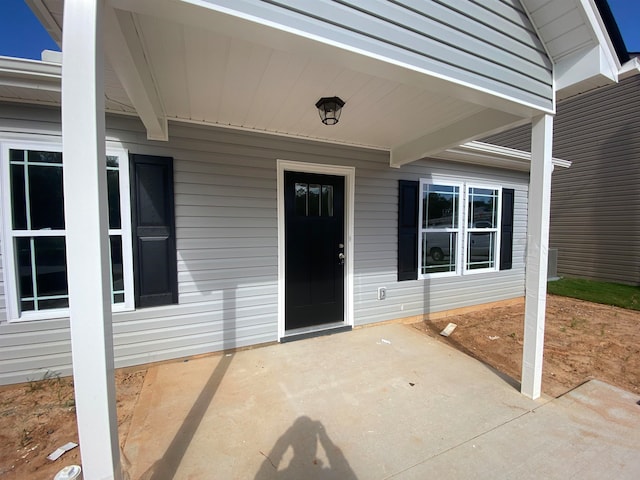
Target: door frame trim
pixel 349 174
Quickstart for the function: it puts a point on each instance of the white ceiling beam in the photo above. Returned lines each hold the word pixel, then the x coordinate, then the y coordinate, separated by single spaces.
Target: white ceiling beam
pixel 126 55
pixel 480 124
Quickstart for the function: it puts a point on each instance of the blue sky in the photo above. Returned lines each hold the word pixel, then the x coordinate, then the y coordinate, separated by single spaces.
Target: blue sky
pixel 22 36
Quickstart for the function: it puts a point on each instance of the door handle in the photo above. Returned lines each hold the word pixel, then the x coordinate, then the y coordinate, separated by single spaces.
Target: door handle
pixel 341 258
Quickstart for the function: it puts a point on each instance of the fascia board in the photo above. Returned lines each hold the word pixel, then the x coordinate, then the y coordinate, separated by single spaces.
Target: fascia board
pixel 629 69
pixel 481 153
pixel 24 73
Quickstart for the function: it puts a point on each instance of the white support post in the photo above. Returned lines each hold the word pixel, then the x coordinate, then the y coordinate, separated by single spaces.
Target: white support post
pixel 537 253
pixel 85 203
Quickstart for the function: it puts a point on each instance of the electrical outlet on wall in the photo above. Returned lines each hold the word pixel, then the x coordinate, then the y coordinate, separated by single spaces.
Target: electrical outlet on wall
pixel 382 293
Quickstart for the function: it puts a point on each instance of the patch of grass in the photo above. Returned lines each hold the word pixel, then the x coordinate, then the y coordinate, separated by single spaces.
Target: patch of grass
pixel 616 294
pixel 577 322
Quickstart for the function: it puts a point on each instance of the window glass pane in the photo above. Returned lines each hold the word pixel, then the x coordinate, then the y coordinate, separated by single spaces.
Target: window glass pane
pixel 45 157
pixel 480 250
pixel 62 302
pixel 440 206
pixel 51 266
pixel 327 200
pixel 301 199
pixel 25 272
pixel 45 197
pixel 26 305
pixel 117 271
pixel 16 155
pixel 18 201
pixel 483 208
pixel 438 252
pixel 113 189
pixel 48 274
pixel 314 200
pixel 113 161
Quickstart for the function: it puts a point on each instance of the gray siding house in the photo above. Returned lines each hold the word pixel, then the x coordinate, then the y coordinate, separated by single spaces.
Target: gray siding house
pixel 168 188
pixel 595 224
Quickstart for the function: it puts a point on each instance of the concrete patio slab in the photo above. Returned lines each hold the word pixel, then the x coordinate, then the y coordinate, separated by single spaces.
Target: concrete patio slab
pixel 374 403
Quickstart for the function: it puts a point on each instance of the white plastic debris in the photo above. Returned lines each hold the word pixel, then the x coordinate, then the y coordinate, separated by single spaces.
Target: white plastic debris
pixel 384 340
pixel 60 450
pixel 448 330
pixel 493 337
pixel 72 472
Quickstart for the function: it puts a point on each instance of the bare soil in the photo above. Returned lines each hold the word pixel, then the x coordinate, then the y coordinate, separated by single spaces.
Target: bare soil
pixel 582 341
pixel 38 417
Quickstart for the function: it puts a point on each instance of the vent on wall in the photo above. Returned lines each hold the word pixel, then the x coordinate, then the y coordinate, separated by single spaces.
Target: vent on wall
pixel 552 264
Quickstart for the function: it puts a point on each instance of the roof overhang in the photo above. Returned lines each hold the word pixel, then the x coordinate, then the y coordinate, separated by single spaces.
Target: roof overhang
pixel 164 58
pixel 583 41
pixel 30 74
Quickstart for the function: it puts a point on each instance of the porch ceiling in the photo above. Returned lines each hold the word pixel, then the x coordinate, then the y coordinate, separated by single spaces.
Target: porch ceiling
pixel 180 61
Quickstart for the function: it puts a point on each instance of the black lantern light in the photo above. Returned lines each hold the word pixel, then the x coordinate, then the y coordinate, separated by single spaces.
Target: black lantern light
pixel 329 109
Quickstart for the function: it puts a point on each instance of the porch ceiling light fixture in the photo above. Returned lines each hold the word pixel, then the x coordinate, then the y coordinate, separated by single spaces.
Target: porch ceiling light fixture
pixel 329 109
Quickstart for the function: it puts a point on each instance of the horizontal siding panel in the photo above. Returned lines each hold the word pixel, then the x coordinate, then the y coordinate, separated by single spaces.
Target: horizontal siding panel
pixel 212 323
pixel 228 263
pixel 210 286
pixel 188 244
pixel 220 253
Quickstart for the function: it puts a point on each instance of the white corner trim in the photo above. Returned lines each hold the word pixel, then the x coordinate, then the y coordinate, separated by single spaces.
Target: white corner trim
pixel 349 174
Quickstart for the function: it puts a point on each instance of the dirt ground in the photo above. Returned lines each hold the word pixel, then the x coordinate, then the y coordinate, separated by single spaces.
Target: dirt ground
pixel 38 417
pixel 583 340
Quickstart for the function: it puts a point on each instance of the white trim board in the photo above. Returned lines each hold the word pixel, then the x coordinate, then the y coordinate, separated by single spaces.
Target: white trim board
pixel 349 174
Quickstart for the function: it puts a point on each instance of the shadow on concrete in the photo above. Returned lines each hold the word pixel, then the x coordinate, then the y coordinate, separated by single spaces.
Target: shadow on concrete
pixel 166 467
pixel 303 437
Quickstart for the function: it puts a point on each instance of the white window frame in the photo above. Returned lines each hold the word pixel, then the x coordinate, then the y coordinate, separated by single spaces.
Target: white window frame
pixel 8 253
pixel 463 229
pixel 458 250
pixel 467 230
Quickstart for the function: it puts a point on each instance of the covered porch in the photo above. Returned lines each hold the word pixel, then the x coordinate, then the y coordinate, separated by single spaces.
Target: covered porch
pixel 210 63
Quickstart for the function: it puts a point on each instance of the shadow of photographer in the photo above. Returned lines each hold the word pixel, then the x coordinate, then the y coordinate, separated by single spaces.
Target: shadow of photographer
pixel 303 437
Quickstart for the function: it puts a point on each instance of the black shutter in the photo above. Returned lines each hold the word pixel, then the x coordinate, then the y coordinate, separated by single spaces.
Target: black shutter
pixel 153 231
pixel 506 229
pixel 408 230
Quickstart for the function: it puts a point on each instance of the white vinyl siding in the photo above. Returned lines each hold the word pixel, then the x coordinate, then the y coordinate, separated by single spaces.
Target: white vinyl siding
pixel 227 239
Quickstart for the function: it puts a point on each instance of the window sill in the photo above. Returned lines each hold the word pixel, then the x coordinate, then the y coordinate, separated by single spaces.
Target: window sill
pixel 58 314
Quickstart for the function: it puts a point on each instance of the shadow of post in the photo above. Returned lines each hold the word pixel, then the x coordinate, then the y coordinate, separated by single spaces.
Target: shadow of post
pixel 166 467
pixel 303 437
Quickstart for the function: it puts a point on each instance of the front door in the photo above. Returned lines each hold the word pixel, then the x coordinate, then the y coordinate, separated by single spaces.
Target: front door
pixel 314 249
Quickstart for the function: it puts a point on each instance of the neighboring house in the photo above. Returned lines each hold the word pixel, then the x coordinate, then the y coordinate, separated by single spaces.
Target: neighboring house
pixel 234 216
pixel 595 219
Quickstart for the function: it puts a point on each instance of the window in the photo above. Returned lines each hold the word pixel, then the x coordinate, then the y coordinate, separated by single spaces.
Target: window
pixel 482 239
pixel 453 228
pixel 439 228
pixel 35 236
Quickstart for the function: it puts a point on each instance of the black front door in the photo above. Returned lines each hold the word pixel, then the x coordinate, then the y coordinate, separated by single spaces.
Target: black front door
pixel 314 249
